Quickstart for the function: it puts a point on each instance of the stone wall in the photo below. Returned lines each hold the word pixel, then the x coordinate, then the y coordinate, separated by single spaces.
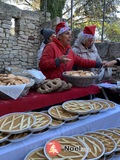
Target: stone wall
pixel 20 49
pixel 110 51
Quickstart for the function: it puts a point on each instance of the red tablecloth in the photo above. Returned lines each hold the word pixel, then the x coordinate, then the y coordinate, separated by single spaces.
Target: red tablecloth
pixel 34 100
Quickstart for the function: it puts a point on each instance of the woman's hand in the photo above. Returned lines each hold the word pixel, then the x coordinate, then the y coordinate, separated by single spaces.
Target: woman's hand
pixel 104 63
pixel 64 59
pixel 110 63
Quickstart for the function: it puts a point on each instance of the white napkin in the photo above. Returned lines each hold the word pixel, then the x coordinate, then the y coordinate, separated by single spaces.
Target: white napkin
pixel 13 91
pixel 107 85
pixel 37 75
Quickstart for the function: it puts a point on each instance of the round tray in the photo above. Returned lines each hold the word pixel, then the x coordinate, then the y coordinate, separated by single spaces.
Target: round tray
pixel 105 105
pixel 3 136
pixel 108 142
pixel 111 104
pixel 71 122
pixel 113 135
pixel 58 112
pixel 41 132
pixel 56 123
pixel 96 106
pixel 5 144
pixel 116 130
pixel 76 106
pixel 18 122
pixel 95 147
pixel 83 116
pixel 43 120
pixel 19 137
pixel 63 145
pixel 37 153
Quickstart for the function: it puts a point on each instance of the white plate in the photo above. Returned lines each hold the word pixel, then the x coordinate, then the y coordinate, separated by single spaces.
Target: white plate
pixel 5 144
pixel 36 153
pixel 77 107
pixel 111 104
pixel 106 140
pixel 83 116
pixel 116 130
pixel 41 132
pixel 16 122
pixel 64 142
pixel 102 101
pixel 51 126
pixel 110 134
pixel 71 122
pixel 94 143
pixel 95 110
pixel 3 136
pixel 45 111
pixel 39 124
pixel 19 137
pixel 59 115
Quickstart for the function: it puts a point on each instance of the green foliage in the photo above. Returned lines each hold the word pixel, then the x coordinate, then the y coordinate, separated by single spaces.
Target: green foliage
pixel 88 12
pixel 112 32
pixel 55 7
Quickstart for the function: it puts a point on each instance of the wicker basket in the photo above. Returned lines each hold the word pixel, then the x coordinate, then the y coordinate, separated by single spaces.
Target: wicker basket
pixel 80 81
pixel 27 88
pixel 24 93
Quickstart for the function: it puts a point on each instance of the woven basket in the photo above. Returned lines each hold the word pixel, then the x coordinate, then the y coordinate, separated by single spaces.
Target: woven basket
pixel 24 93
pixel 27 88
pixel 80 81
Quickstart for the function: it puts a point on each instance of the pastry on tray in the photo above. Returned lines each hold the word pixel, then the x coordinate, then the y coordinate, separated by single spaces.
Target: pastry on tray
pixel 16 122
pixel 62 150
pixel 58 112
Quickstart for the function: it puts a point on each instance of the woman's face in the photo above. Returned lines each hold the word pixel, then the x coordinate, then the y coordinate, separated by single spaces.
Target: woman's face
pixel 51 37
pixel 65 38
pixel 88 42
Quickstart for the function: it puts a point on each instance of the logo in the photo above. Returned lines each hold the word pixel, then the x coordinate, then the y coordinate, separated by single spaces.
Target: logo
pixel 53 148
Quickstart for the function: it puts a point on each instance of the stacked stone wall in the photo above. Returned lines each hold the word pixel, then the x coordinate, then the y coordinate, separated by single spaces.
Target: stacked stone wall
pixel 19 49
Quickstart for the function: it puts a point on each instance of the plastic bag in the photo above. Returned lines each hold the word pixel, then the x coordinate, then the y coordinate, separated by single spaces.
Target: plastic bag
pixel 104 73
pixel 108 73
pixel 37 75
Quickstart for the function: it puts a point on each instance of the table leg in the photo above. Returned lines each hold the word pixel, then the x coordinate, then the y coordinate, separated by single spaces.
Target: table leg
pixel 104 93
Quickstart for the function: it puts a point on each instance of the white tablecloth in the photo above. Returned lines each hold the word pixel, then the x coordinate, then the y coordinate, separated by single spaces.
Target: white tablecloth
pixel 103 120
